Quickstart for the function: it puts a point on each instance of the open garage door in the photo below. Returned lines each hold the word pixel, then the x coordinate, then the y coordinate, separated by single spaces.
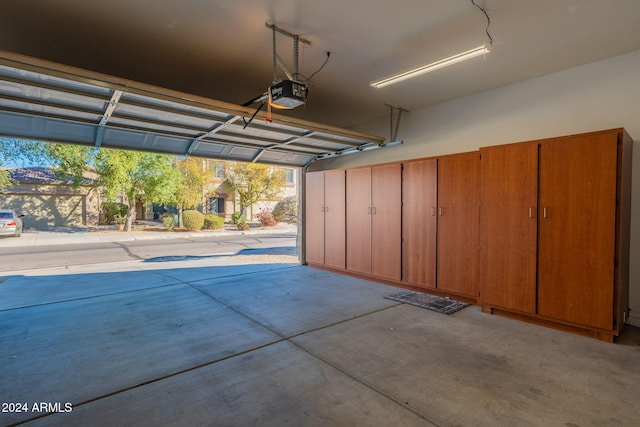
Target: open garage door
pixel 46 101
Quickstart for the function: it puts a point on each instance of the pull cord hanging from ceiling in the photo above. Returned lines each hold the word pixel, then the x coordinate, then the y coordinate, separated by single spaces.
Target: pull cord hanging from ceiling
pixel 488 21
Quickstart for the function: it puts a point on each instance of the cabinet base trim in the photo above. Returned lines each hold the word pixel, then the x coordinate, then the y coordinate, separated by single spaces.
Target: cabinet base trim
pixel 599 334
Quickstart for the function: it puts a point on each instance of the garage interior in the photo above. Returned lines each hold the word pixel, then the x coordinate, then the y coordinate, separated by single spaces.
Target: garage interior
pixel 270 344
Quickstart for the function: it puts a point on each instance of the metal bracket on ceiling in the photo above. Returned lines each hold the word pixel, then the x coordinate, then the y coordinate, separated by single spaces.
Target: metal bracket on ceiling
pixel 364 147
pixel 288 141
pixel 194 144
pixel 393 128
pixel 395 113
pixel 276 58
pixel 108 112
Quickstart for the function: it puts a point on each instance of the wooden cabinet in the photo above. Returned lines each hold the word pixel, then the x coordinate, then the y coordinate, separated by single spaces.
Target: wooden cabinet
pixel 458 197
pixel 508 226
pixel 552 220
pixel 374 221
pixel 419 222
pixel 359 220
pixel 386 220
pixel 334 218
pixel 325 218
pixel 440 224
pixel 314 217
pixel 577 224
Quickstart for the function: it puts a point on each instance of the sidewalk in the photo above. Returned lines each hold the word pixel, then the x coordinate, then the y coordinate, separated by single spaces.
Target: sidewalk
pixel 141 231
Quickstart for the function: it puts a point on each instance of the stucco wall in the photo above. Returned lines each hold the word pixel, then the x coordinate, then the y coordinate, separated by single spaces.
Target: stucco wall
pixel 596 96
pixel 47 205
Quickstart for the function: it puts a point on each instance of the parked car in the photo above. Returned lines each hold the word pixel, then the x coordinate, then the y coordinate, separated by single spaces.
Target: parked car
pixel 10 223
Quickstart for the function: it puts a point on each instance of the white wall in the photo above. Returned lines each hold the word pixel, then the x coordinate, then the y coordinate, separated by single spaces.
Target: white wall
pixel 597 96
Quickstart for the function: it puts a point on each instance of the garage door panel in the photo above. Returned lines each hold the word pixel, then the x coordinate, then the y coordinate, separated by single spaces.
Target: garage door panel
pixel 47 129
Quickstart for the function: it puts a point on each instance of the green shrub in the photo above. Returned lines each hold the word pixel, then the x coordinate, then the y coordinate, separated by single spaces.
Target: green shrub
pixel 286 210
pixel 115 213
pixel 238 217
pixel 169 221
pixel 213 221
pixel 192 220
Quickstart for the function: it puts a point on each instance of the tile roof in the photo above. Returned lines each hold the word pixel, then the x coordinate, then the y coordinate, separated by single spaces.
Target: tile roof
pixel 38 174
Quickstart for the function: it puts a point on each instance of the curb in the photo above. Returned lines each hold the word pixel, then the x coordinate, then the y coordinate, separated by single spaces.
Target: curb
pixel 52 237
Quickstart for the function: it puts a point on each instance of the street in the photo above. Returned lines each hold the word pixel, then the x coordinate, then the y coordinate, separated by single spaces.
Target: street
pixel 46 256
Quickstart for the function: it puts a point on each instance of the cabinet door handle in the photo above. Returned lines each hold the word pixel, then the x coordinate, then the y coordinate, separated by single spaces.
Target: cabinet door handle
pixel 326 208
pixel 532 212
pixel 369 210
pixel 440 211
pixel 544 212
pixel 433 211
pixel 373 211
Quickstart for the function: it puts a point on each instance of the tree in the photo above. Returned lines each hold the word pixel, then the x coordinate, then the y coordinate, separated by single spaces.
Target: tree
pixel 11 153
pixel 5 180
pixel 71 161
pixel 135 175
pixel 5 157
pixel 254 182
pixel 193 186
pixel 68 161
pixel 17 151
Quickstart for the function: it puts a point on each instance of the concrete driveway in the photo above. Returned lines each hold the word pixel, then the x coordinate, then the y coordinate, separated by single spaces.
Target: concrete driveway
pixel 250 340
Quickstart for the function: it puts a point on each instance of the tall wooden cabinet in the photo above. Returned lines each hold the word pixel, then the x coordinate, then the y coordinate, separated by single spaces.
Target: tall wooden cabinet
pixel 358 235
pixel 440 224
pixel 419 222
pixel 373 221
pixel 325 218
pixel 552 244
pixel 576 241
pixel 458 197
pixel 508 226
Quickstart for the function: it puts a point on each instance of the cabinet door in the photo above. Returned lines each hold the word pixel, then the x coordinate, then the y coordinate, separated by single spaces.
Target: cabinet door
pixel 419 222
pixel 458 195
pixel 577 229
pixel 334 218
pixel 508 226
pixel 359 220
pixel 386 221
pixel 314 220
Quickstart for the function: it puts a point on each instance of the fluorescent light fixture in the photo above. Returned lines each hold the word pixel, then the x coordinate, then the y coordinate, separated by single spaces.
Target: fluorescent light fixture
pixel 480 50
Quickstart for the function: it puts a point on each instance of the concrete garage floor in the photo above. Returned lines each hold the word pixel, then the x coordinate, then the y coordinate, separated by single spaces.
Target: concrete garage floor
pixel 223 341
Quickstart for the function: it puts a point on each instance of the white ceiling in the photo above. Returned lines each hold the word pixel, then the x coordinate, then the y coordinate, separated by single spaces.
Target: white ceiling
pixel 221 49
